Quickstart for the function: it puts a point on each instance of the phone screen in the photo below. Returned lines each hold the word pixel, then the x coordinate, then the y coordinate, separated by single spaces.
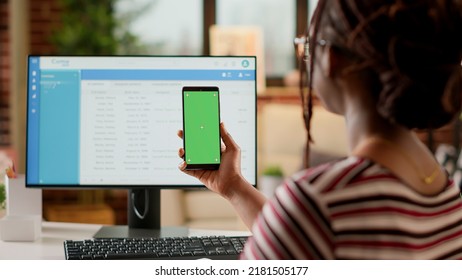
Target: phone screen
pixel 201 127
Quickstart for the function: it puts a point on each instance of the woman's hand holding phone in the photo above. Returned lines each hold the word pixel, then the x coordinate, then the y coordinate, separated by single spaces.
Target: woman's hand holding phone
pixel 221 180
pixel 217 166
pixel 228 181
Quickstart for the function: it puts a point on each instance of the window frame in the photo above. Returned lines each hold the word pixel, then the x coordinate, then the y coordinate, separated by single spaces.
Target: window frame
pixel 209 19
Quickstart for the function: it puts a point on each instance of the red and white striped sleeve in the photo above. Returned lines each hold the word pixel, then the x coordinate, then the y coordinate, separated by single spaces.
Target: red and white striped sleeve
pixel 292 225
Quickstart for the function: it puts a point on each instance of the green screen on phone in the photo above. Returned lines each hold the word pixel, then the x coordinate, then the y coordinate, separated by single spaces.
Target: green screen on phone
pixel 201 120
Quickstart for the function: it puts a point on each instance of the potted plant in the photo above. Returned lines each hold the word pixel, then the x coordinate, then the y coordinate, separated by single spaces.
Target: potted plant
pixel 2 200
pixel 271 178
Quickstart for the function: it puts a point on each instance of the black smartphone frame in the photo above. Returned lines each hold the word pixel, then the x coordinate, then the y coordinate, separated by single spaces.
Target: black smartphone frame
pixel 200 166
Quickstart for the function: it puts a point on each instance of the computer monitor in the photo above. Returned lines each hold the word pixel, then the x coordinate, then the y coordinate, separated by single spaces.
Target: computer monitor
pixel 102 122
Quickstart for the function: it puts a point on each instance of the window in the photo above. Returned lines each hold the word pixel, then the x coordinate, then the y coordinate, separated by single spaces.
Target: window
pixel 167 27
pixel 277 20
pixel 164 27
pixel 311 7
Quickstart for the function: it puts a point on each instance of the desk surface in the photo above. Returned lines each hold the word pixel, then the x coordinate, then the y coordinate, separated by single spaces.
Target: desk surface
pixel 50 245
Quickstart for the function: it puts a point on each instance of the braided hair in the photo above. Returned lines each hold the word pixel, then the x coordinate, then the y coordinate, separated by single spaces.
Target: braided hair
pixel 413 50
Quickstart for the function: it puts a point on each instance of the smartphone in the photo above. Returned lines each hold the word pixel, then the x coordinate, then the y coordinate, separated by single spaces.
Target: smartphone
pixel 201 127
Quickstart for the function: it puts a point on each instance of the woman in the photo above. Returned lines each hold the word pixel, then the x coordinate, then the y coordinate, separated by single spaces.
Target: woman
pixel 388 66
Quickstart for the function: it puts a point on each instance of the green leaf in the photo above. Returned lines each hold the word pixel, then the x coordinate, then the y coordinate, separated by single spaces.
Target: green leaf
pixel 273 170
pixel 89 27
pixel 2 195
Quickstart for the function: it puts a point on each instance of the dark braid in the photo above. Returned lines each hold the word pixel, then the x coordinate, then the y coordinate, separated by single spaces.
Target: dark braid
pixel 308 106
pixel 412 49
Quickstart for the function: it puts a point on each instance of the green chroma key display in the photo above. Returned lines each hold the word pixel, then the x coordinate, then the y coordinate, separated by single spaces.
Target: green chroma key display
pixel 201 127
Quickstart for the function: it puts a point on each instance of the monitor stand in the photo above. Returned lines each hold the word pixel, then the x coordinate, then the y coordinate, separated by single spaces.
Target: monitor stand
pixel 143 218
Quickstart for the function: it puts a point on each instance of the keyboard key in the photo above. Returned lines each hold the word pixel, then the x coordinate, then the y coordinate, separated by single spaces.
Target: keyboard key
pixel 199 253
pixel 86 257
pixel 164 255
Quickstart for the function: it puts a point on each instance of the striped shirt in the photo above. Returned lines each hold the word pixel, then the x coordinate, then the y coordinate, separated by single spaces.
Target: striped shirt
pixel 356 209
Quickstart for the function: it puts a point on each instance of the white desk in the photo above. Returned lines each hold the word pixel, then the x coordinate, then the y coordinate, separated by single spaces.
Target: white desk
pixel 50 245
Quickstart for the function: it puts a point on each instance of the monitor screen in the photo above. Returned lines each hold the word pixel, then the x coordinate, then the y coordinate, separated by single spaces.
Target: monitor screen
pixel 112 121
